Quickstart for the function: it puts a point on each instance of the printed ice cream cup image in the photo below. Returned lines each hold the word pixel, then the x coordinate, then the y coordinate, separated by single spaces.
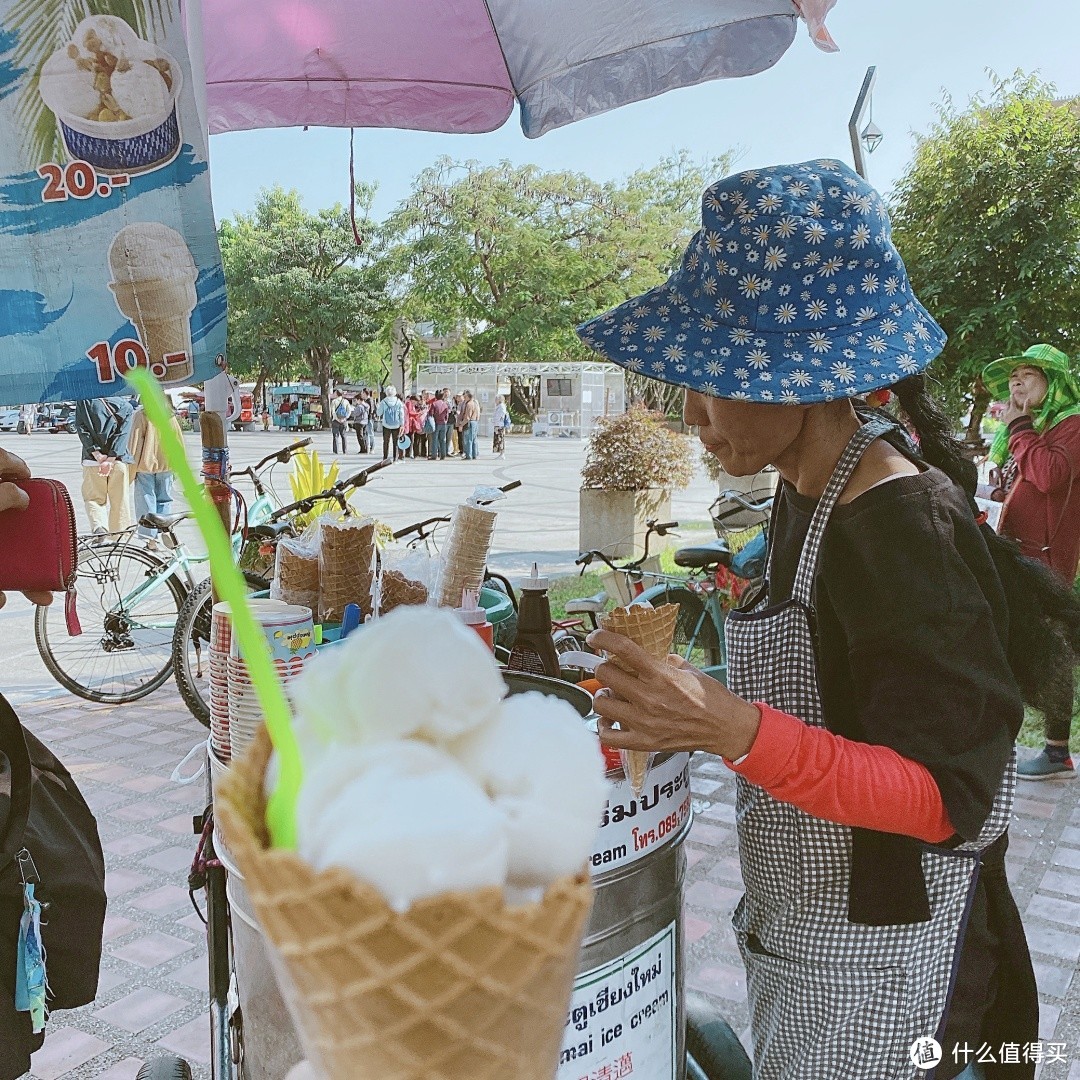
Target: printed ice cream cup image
pixel 114 96
pixel 153 282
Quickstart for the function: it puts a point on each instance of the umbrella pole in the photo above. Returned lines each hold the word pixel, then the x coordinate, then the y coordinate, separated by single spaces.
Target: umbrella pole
pixel 215 448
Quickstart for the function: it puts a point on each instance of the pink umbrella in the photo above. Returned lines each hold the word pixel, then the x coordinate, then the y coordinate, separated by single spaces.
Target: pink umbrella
pixel 459 65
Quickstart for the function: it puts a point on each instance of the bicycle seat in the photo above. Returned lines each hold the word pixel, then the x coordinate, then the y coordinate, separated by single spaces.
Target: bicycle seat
pixel 269 530
pixel 164 522
pixel 585 604
pixel 702 556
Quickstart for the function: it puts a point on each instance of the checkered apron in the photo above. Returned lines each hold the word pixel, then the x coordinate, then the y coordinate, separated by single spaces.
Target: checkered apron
pixel 830 999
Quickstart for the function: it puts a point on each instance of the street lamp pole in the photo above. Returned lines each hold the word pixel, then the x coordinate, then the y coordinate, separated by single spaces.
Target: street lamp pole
pixel 855 124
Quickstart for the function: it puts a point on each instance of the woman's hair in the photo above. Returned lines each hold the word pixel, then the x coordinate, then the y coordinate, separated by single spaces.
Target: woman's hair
pixel 1044 614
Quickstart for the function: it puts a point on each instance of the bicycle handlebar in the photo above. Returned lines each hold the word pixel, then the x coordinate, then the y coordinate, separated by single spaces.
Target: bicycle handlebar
pixel 741 500
pixel 338 492
pixel 419 527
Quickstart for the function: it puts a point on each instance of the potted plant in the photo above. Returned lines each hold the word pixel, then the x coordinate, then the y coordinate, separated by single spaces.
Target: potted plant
pixel 633 462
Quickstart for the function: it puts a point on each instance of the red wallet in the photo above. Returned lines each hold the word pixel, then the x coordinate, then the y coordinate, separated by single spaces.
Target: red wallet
pixel 39 545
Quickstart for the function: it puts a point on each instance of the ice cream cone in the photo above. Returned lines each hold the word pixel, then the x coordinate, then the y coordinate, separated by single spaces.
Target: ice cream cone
pixel 154 286
pixel 652 629
pixel 458 986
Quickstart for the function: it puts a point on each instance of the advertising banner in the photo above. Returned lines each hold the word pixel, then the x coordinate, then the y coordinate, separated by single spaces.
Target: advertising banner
pixel 108 252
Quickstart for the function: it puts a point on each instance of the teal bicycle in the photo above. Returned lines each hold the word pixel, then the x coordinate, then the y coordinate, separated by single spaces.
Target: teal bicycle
pixel 703 595
pixel 130 599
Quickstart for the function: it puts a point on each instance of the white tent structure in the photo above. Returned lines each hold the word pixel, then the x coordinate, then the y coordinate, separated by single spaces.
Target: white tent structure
pixel 569 397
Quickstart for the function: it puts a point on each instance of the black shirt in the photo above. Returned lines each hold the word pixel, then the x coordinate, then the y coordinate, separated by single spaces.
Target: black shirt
pixel 912 628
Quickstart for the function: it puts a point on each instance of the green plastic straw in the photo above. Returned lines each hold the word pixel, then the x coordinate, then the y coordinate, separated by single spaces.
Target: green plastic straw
pixel 229 583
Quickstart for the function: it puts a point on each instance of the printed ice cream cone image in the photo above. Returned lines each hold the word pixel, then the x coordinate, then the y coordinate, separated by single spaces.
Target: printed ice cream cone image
pixel 114 96
pixel 441 938
pixel 153 282
pixel 652 629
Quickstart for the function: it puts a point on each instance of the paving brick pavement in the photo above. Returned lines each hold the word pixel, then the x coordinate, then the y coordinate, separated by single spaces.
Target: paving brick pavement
pixel 152 998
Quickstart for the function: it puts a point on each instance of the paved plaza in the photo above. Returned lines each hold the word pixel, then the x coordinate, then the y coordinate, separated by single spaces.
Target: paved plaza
pixel 152 998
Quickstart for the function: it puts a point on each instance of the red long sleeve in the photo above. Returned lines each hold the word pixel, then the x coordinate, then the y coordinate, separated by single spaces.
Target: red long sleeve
pixel 836 779
pixel 1048 463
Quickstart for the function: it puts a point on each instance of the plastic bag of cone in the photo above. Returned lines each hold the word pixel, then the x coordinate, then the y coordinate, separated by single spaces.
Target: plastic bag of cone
pixel 653 629
pixel 458 986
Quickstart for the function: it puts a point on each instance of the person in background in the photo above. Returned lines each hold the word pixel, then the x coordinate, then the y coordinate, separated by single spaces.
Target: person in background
pixel 193 414
pixel 391 413
pixel 153 478
pixel 104 429
pixel 340 413
pixel 1038 453
pixel 265 417
pixel 470 422
pixel 457 407
pixel 440 416
pixel 502 422
pixel 361 418
pixel 12 467
pixel 370 399
pixel 413 424
pixel 27 419
pixel 423 438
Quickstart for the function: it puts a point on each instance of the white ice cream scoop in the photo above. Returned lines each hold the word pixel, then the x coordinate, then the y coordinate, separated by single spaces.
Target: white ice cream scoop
pixel 544 771
pixel 403 817
pixel 140 90
pixel 147 251
pixel 69 89
pixel 369 688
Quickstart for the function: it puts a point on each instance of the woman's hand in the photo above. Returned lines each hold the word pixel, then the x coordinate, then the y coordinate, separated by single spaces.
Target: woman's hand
pixel 1015 410
pixel 14 498
pixel 667 705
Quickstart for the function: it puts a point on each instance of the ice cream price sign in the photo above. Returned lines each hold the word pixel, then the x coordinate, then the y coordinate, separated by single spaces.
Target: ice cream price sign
pixel 634 825
pixel 109 258
pixel 622 1017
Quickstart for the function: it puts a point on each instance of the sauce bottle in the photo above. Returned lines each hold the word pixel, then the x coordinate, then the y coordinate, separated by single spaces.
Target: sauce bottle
pixel 533 650
pixel 472 614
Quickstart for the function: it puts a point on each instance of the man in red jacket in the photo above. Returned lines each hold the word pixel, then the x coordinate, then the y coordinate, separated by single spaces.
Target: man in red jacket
pixel 1038 451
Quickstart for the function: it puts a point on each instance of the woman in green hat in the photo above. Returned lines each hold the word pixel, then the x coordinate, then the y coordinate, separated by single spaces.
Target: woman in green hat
pixel 1038 452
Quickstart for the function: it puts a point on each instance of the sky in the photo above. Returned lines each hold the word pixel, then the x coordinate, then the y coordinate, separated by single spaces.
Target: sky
pixel 797 110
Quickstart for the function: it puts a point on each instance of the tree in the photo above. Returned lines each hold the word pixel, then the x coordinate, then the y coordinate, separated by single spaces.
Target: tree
pixel 987 219
pixel 299 284
pixel 519 256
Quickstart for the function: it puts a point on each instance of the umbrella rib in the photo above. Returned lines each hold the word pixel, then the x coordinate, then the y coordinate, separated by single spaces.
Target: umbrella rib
pixel 359 82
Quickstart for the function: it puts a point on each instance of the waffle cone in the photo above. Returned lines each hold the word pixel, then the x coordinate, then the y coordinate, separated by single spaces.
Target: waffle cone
pixel 458 986
pixel 652 629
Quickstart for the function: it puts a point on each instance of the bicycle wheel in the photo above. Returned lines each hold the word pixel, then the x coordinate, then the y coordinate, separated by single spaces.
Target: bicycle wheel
pixel 128 614
pixel 190 653
pixel 696 638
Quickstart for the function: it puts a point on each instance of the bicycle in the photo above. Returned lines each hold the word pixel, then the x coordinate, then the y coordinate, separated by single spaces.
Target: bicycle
pixel 191 635
pixel 129 600
pixel 703 604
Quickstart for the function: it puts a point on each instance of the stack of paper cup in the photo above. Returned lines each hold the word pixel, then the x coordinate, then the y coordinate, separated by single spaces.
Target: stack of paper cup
pixel 290 630
pixel 465 553
pixel 220 643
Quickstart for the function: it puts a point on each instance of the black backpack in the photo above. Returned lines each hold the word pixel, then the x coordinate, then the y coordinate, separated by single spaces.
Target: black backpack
pixel 43 815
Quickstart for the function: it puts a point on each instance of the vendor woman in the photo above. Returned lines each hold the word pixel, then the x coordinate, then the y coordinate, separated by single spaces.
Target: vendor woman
pixel 875 684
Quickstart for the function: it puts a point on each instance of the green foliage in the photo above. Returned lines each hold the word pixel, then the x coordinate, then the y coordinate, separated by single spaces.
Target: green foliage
pixel 635 451
pixel 43 27
pixel 520 256
pixel 987 219
pixel 299 285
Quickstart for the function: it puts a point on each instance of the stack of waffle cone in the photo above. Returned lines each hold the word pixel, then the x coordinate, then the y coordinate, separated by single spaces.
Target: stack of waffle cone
pixel 652 629
pixel 458 986
pixel 346 566
pixel 466 552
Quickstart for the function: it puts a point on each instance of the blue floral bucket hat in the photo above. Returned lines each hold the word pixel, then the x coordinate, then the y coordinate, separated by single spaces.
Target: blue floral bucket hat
pixel 791 292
